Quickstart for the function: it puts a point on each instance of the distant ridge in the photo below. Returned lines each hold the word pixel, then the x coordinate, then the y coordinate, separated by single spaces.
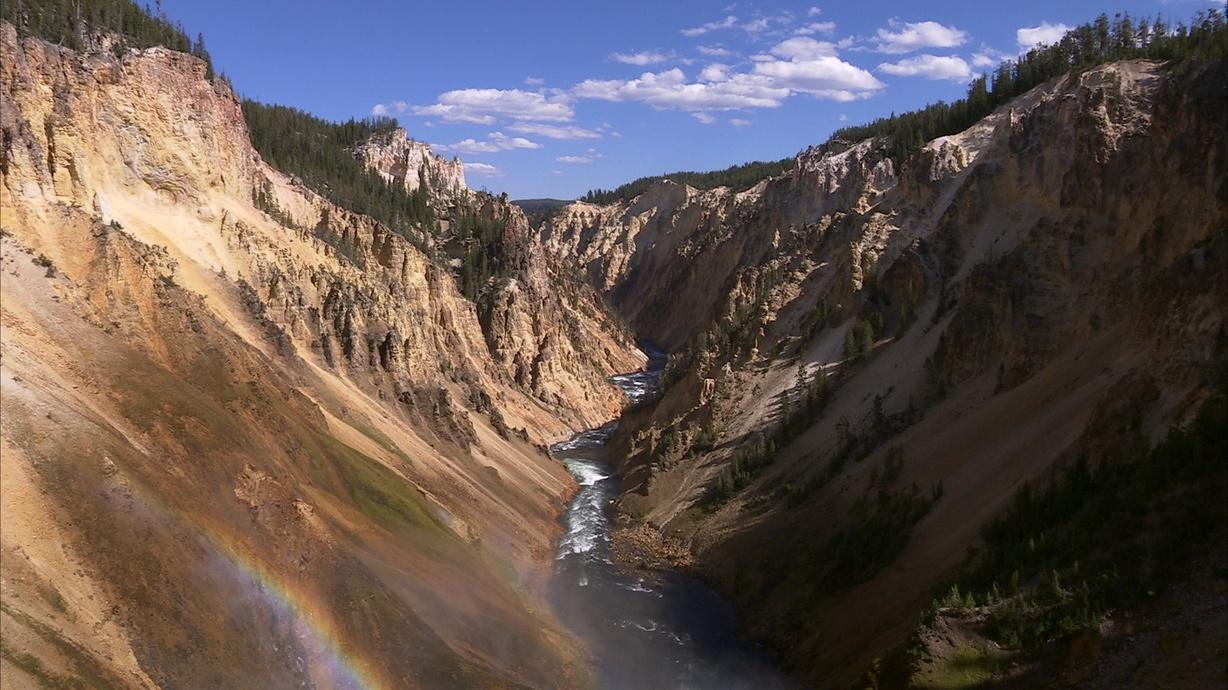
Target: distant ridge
pixel 538 210
pixel 535 205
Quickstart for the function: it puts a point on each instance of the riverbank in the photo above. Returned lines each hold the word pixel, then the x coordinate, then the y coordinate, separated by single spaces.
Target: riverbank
pixel 638 545
pixel 626 591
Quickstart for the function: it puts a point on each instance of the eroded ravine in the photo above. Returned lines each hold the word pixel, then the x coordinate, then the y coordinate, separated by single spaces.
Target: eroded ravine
pixel 663 630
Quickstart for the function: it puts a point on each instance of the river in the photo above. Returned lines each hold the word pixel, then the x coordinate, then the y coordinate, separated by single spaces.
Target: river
pixel 656 632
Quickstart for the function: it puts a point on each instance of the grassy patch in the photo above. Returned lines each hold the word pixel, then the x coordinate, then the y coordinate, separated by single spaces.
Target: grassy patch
pixel 200 419
pixel 968 667
pixel 379 493
pixel 380 439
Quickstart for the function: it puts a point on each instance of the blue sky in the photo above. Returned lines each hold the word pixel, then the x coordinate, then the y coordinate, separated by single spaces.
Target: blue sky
pixel 554 98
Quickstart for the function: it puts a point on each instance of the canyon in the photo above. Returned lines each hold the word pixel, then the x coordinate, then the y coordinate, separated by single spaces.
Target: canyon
pixel 1014 276
pixel 252 435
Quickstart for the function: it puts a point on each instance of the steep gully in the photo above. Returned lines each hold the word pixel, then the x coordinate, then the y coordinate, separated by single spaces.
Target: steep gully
pixel 660 630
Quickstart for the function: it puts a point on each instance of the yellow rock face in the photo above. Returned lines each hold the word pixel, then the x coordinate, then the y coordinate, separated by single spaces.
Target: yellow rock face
pixel 236 455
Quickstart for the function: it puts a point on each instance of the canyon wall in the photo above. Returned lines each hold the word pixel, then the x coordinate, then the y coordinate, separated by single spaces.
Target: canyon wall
pixel 979 313
pixel 240 449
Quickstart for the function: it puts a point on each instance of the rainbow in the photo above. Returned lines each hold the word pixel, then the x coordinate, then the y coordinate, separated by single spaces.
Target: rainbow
pixel 313 624
pixel 315 627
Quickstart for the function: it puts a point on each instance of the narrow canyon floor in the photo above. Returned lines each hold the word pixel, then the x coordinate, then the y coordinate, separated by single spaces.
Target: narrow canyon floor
pixel 646 629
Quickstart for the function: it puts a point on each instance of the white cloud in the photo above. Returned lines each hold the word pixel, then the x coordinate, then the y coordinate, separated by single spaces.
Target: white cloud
pixel 574 159
pixel 912 36
pixel 714 72
pixel 755 26
pixel 534 81
pixel 505 142
pixel 796 65
pixel 812 67
pixel 555 131
pixel 813 11
pixel 670 89
pixel 987 57
pixel 472 146
pixel 739 122
pixel 1031 36
pixel 702 29
pixel 815 28
pixel 386 109
pixel 648 57
pixel 803 48
pixel 714 51
pixel 484 106
pixel 483 169
pixel 983 60
pixel 495 142
pixel 704 118
pixel 762 24
pixel 931 67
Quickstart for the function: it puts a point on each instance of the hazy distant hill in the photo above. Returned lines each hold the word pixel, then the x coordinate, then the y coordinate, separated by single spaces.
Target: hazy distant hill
pixel 539 209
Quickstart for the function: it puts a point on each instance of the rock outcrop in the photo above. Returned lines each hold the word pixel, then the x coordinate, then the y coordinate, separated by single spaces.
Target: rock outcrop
pixel 412 164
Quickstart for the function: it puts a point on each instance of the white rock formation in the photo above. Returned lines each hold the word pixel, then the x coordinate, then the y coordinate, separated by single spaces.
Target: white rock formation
pixel 398 158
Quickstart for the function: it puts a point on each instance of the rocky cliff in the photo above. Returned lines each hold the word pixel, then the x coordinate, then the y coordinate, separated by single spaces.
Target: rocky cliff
pixel 547 332
pixel 961 321
pixel 412 164
pixel 551 332
pixel 241 447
